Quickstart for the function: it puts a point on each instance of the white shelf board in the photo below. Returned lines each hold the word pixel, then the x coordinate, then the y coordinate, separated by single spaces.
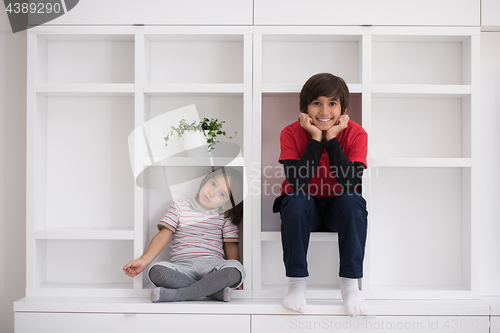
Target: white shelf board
pixel 85 33
pixel 418 34
pixel 425 90
pixel 494 303
pixel 315 236
pixel 211 33
pixel 420 292
pixel 69 89
pixel 85 290
pixel 421 162
pixel 217 88
pixel 268 306
pixel 195 161
pixel 295 88
pixel 88 285
pixel 312 292
pixel 85 234
pixel 311 33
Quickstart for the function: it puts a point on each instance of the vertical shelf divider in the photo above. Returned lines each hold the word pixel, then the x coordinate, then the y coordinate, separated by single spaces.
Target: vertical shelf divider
pixel 32 200
pixel 138 160
pixel 248 217
pixel 473 240
pixel 256 177
pixel 366 102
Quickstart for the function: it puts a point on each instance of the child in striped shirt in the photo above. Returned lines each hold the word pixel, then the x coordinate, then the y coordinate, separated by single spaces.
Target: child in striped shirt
pixel 200 230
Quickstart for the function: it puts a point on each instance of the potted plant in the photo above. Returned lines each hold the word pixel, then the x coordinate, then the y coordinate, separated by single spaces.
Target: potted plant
pixel 205 132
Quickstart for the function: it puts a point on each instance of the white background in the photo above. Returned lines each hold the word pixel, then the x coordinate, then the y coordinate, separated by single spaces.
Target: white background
pixel 13 132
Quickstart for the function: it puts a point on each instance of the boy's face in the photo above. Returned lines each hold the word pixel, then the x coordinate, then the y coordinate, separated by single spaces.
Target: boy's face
pixel 214 193
pixel 324 111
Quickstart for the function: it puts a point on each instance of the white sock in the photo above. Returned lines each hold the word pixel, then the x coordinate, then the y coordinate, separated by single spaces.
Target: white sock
pixel 354 302
pixel 295 300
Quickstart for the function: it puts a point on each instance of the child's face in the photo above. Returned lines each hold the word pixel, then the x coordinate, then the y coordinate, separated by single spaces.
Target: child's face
pixel 214 193
pixel 324 111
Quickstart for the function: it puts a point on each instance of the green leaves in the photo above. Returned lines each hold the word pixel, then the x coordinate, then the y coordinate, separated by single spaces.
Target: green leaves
pixel 211 128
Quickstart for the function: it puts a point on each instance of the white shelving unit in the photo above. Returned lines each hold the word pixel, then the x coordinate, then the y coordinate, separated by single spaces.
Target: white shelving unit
pixel 89 88
pixel 413 89
pixel 415 93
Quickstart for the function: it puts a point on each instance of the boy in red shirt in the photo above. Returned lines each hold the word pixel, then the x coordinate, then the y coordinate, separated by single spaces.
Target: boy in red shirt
pixel 324 155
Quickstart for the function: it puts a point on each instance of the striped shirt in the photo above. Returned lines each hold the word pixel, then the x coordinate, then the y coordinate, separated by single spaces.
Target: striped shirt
pixel 197 232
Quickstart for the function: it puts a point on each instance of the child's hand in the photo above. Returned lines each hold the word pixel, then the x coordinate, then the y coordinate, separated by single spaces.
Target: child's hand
pixel 134 267
pixel 307 123
pixel 339 126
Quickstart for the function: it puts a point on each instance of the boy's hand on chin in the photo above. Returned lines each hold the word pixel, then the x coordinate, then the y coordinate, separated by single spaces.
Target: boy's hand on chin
pixel 339 126
pixel 307 123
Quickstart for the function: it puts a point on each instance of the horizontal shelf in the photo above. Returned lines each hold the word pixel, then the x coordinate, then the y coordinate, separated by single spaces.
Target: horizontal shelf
pixel 315 236
pixel 417 294
pixel 86 290
pixel 295 88
pixel 247 306
pixel 67 89
pixel 62 89
pixel 88 285
pixel 421 292
pixel 432 90
pixel 312 292
pixel 421 162
pixel 225 88
pixel 494 303
pixel 196 161
pixel 85 234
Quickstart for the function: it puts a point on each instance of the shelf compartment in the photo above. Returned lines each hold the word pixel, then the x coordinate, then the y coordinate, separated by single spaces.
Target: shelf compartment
pixel 89 181
pixel 65 58
pixel 419 239
pixel 278 111
pixel 163 111
pixel 73 264
pixel 435 60
pixel 420 127
pixel 292 59
pixel 83 233
pixel 182 59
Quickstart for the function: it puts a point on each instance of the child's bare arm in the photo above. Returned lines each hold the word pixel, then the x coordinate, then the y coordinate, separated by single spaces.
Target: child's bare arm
pixel 232 252
pixel 158 243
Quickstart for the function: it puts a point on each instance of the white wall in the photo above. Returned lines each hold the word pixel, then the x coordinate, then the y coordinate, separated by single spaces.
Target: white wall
pixel 12 170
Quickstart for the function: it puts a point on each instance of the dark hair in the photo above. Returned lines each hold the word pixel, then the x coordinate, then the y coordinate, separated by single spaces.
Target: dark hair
pixel 234 183
pixel 324 84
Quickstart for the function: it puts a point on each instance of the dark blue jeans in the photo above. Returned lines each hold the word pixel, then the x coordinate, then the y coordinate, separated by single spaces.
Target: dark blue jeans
pixel 346 214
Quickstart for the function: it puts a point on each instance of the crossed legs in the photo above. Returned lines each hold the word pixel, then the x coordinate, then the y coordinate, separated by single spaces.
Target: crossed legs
pixel 175 286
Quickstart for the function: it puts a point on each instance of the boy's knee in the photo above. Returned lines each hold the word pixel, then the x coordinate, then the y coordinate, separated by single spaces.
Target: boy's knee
pixel 298 200
pixel 352 201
